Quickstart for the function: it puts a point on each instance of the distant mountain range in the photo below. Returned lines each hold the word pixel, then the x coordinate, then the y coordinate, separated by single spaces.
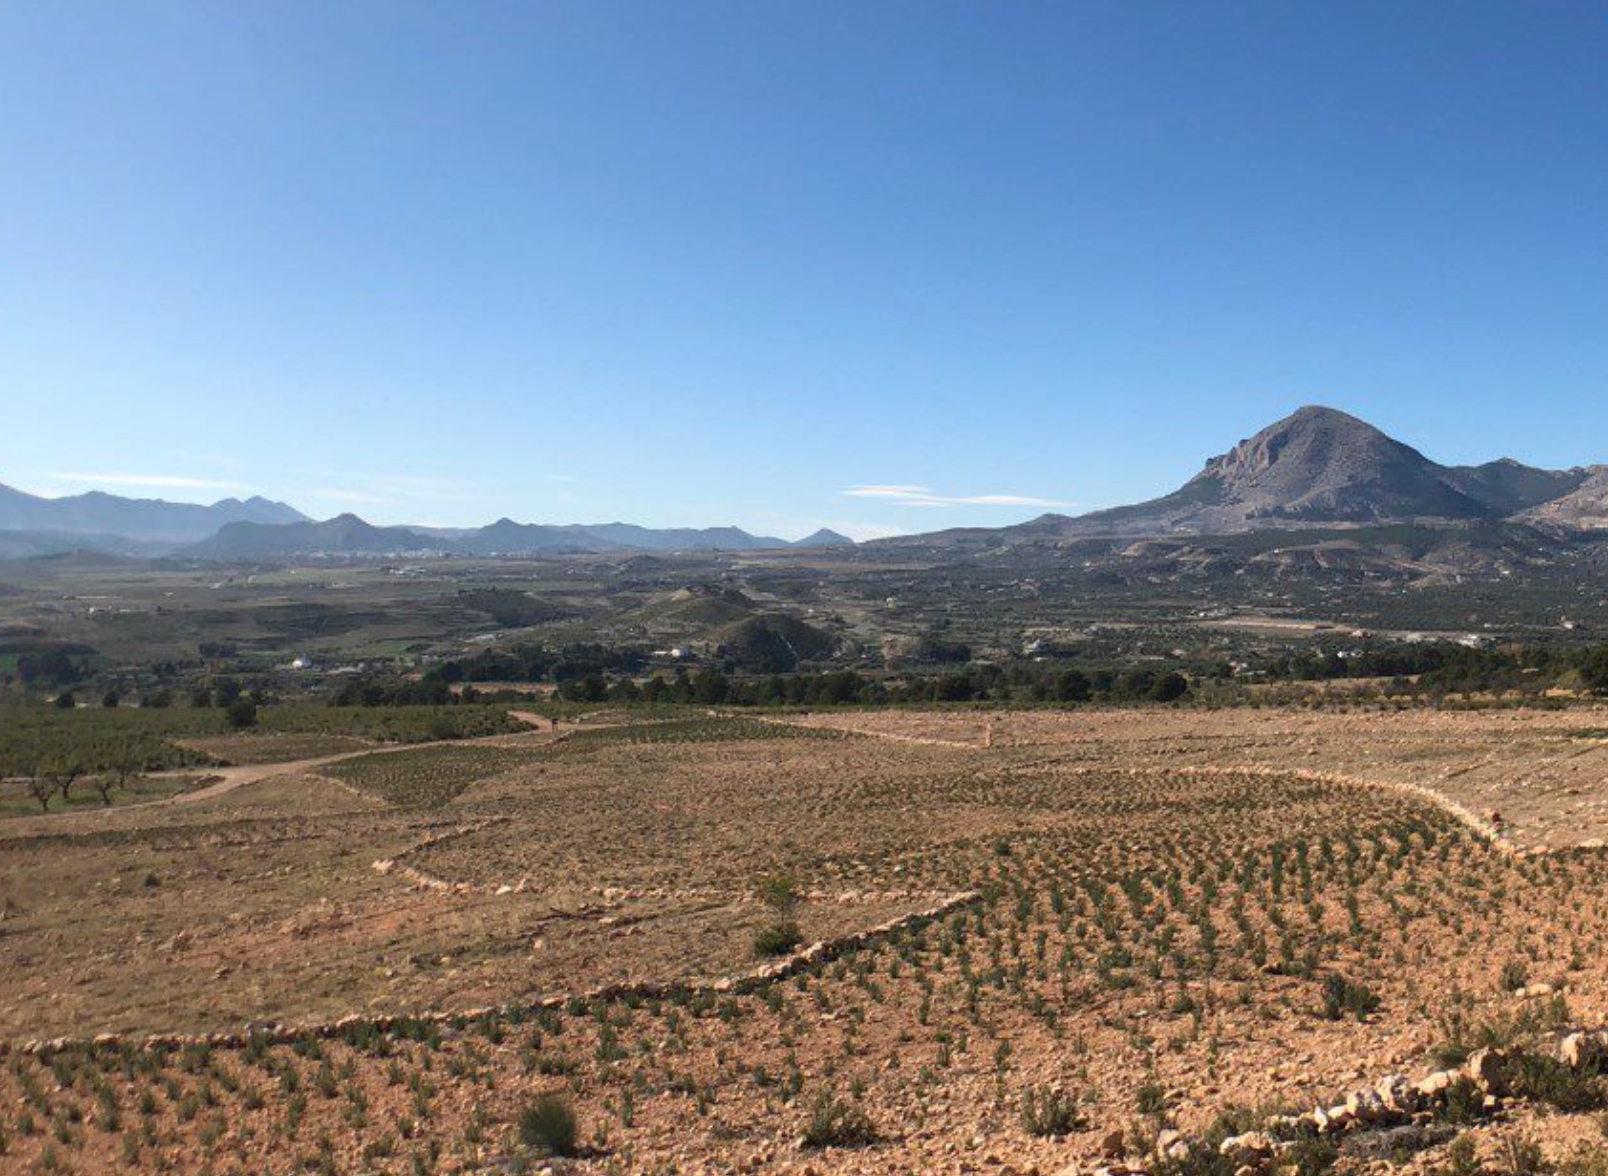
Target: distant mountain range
pixel 1318 469
pixel 259 529
pixel 349 535
pixel 145 520
pixel 1322 468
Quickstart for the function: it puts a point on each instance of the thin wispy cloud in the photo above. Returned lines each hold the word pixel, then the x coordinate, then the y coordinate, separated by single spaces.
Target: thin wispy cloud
pixel 150 481
pixel 926 496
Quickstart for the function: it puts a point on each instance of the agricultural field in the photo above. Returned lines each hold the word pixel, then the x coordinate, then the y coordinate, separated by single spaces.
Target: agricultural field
pixel 54 760
pixel 1047 940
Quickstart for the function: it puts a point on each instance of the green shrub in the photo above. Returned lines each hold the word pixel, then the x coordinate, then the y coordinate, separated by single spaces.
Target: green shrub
pixel 1515 975
pixel 1047 1112
pixel 549 1125
pixel 242 713
pixel 834 1122
pixel 1461 1158
pixel 1585 1162
pixel 1310 1155
pixel 1547 1080
pixel 1342 996
pixel 1151 1099
pixel 1464 1102
pixel 1522 1156
pixel 777 939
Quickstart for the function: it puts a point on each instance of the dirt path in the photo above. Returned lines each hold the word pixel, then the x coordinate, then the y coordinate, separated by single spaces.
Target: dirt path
pixel 233 777
pixel 230 778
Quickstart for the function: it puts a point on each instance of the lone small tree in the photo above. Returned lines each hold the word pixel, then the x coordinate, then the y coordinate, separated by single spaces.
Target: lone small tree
pixel 125 761
pixel 1594 669
pixel 242 713
pixel 1170 687
pixel 41 787
pixel 129 762
pixel 783 896
pixel 64 774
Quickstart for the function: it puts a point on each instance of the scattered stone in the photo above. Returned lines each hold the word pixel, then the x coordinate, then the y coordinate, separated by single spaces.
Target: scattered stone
pixel 1583 1051
pixel 1253 1149
pixel 1489 1068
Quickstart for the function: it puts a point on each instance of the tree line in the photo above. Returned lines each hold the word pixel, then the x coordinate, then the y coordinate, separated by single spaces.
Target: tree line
pixel 976 683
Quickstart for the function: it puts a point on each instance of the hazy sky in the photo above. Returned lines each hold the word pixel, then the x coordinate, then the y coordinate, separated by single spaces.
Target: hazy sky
pixel 880 266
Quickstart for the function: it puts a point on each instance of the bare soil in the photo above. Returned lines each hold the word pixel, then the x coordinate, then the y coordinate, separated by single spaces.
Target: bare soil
pixel 1166 895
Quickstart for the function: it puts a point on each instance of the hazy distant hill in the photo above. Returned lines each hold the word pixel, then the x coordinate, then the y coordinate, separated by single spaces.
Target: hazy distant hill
pixel 825 537
pixel 100 514
pixel 350 535
pixel 33 544
pixel 257 528
pixel 681 538
pixel 343 535
pixel 506 537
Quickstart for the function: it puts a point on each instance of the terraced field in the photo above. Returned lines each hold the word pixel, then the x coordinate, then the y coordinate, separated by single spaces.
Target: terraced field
pixel 1140 941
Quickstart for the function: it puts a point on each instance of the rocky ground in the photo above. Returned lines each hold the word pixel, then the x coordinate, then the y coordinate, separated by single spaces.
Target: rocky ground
pixel 1184 922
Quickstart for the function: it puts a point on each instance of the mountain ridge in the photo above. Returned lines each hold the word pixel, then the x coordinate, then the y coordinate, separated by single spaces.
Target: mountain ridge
pixel 1322 467
pixel 348 534
pixel 97 513
pixel 1316 468
pixel 256 527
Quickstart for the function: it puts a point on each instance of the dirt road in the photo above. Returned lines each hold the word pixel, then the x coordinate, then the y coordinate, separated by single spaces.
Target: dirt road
pixel 228 779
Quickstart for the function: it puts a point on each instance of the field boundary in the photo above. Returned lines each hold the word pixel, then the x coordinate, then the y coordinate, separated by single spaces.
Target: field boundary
pixel 1393 1100
pixel 742 983
pixel 1488 830
pixel 395 864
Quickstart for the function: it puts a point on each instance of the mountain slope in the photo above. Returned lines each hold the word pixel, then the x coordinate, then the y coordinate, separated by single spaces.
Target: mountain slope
pixel 1584 508
pixel 343 535
pixel 1507 486
pixel 825 537
pixel 506 537
pixel 150 519
pixel 680 538
pixel 34 544
pixel 1317 465
pixel 1316 469
pixel 1320 466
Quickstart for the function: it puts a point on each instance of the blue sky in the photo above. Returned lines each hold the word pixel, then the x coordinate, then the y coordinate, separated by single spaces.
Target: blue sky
pixel 701 263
